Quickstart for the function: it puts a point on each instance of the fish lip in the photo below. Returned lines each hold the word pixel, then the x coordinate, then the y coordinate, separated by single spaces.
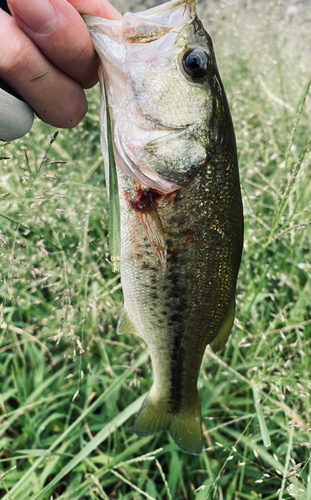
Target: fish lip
pixel 168 6
pixel 91 20
pixel 97 25
pixel 94 21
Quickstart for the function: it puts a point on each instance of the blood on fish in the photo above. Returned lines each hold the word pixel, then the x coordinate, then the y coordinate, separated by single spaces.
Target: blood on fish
pixel 145 206
pixel 146 199
pixel 190 238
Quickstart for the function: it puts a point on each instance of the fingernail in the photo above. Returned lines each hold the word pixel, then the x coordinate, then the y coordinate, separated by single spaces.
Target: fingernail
pixel 112 12
pixel 38 15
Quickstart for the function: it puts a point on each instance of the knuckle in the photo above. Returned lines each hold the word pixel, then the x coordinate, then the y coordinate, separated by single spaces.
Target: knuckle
pixel 83 64
pixel 15 59
pixel 81 54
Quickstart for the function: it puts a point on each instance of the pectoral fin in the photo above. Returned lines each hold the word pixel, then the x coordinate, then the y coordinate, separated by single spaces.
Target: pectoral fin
pixel 153 226
pixel 125 325
pixel 223 334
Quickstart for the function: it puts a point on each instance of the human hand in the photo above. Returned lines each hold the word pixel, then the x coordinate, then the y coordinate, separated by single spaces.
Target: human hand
pixel 49 57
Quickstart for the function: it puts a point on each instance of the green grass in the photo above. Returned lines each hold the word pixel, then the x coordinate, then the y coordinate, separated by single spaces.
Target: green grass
pixel 69 387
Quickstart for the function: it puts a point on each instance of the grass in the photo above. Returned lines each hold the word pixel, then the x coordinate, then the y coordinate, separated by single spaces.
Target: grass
pixel 69 387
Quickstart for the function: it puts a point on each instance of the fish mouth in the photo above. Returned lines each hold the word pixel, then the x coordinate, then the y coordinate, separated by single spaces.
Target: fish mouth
pixel 144 26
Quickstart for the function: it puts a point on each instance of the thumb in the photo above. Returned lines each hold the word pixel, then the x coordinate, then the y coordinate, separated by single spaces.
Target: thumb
pixel 16 117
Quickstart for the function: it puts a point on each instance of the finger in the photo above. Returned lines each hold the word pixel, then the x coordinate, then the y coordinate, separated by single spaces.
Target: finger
pixel 61 34
pixel 56 98
pixel 100 8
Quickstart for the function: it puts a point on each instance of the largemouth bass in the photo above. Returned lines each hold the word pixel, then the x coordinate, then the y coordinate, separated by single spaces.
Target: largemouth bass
pixel 180 201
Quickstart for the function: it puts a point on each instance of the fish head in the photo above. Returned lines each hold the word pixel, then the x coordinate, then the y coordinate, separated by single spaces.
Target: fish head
pixel 165 95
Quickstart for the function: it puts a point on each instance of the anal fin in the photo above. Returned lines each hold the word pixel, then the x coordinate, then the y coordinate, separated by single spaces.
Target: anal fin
pixel 125 325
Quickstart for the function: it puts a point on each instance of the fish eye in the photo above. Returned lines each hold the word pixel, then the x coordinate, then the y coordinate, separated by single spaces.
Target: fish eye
pixel 196 62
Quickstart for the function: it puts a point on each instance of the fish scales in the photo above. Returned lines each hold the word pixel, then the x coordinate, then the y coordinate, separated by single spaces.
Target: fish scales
pixel 180 202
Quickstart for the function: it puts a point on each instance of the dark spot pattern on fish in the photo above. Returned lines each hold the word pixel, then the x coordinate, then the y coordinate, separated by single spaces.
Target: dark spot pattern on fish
pixel 177 368
pixel 176 292
pixel 145 266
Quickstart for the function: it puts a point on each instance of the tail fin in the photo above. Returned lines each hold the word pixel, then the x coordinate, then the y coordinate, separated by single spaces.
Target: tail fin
pixel 184 425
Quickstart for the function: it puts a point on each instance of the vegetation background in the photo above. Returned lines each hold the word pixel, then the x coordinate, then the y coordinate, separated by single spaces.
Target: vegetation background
pixel 69 387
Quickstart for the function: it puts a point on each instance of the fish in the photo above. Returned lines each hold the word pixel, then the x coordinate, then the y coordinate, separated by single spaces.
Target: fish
pixel 180 201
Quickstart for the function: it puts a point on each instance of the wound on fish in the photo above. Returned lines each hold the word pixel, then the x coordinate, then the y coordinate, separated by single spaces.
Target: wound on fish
pixel 145 207
pixel 146 199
